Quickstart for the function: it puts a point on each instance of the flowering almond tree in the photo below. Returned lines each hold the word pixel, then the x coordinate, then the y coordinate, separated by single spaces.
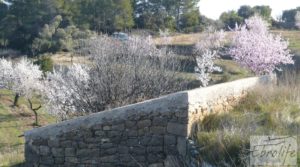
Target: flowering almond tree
pixel 23 78
pixel 255 48
pixel 67 92
pixel 206 51
pixel 6 74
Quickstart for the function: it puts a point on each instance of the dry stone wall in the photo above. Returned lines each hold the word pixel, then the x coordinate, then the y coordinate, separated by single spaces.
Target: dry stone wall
pixel 153 133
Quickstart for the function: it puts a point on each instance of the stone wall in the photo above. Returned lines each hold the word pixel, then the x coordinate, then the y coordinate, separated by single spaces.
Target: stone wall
pixel 152 133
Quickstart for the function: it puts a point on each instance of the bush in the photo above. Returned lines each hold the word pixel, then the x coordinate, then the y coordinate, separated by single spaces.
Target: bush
pixel 45 63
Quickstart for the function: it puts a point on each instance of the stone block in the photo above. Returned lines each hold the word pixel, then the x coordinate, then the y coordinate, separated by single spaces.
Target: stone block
pixel 130 124
pixel 158 130
pixel 57 152
pixel 156 165
pixel 44 150
pixel 119 127
pixel 53 143
pixel 182 145
pixel 156 140
pixel 111 158
pixel 71 160
pixel 144 123
pixel 123 149
pixel 155 149
pixel 177 129
pixel 169 140
pixel 159 121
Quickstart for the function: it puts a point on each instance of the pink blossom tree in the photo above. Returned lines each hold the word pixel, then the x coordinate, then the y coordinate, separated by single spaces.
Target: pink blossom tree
pixel 255 48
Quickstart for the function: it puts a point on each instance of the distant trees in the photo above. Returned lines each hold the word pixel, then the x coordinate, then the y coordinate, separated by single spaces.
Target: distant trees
pixel 104 15
pixel 231 18
pixel 246 11
pixel 263 11
pixel 254 47
pixel 52 38
pixel 288 18
pixel 25 25
pixel 180 15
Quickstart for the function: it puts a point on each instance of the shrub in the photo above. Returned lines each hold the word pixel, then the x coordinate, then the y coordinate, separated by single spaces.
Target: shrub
pixel 45 63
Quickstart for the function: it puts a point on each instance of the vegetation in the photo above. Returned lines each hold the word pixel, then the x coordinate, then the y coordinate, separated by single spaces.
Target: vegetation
pixel 54 25
pixel 46 64
pixel 231 18
pixel 121 73
pixel 255 48
pixel 223 138
pixel 13 123
pixel 289 18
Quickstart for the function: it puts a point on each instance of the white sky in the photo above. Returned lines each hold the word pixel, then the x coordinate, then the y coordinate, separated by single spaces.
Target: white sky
pixel 214 8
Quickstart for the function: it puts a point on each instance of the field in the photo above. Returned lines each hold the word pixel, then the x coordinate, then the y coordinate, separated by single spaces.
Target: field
pixel 13 122
pixel 190 39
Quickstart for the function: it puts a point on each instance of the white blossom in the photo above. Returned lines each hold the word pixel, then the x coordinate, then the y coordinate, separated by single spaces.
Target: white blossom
pixel 63 88
pixel 6 74
pixel 206 51
pixel 26 78
pixel 22 78
pixel 205 66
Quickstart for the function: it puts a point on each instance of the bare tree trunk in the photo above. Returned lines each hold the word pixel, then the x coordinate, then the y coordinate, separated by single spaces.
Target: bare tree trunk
pixel 36 123
pixel 16 100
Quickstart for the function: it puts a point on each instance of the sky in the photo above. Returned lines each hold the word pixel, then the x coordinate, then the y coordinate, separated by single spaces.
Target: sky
pixel 213 8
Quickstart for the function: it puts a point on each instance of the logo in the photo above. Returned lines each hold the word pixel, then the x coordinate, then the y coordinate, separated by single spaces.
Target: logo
pixel 273 150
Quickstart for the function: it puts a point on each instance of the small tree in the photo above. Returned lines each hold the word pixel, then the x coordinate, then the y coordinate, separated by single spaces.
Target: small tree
pixel 23 78
pixel 46 63
pixel 254 47
pixel 206 51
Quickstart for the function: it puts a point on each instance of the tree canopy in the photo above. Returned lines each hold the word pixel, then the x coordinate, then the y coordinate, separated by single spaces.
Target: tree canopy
pixel 25 21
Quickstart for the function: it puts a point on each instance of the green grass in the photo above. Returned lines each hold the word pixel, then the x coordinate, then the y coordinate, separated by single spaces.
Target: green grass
pixel 223 138
pixel 231 71
pixel 13 123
